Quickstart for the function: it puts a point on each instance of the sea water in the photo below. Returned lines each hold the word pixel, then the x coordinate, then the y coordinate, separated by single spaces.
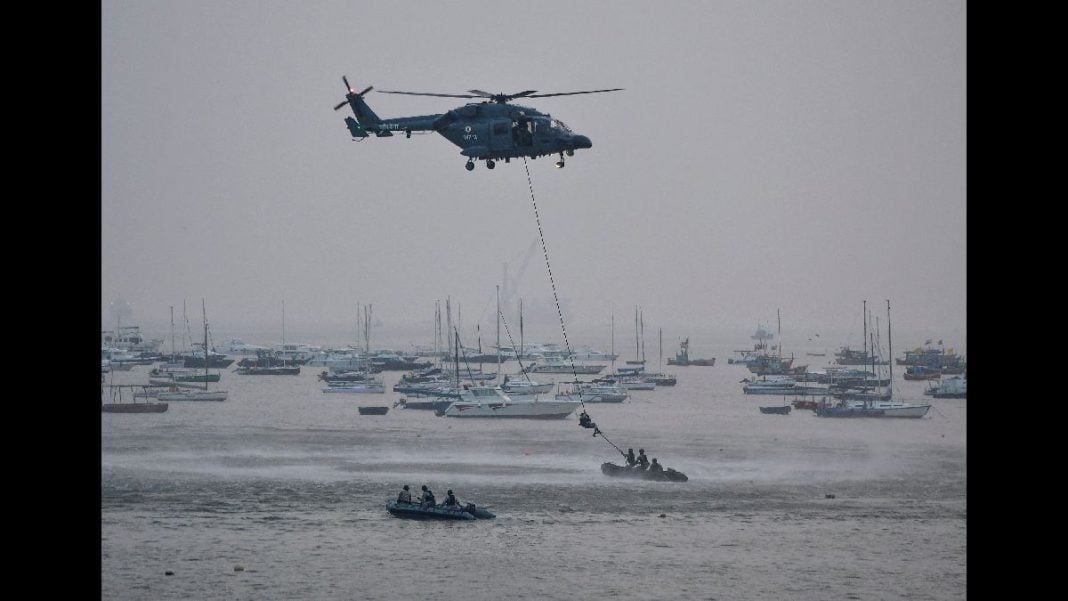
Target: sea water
pixel 279 492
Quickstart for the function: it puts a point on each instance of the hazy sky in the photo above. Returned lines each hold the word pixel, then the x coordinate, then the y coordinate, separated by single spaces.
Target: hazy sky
pixel 799 155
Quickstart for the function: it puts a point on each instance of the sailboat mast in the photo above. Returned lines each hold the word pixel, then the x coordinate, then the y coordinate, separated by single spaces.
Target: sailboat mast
pixel 643 337
pixel 498 377
pixel 637 355
pixel 283 333
pixel 660 355
pixel 613 330
pixel 204 310
pixel 890 344
pixel 522 350
pixel 778 316
pixel 865 305
pixel 172 334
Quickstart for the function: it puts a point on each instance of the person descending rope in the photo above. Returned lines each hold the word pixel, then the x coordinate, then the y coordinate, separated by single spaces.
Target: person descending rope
pixel 586 422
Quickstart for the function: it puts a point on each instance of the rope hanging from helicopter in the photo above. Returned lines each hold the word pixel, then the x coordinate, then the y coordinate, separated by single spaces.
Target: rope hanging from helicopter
pixel 584 420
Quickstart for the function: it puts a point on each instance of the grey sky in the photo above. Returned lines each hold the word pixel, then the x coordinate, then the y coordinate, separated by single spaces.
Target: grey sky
pixel 801 155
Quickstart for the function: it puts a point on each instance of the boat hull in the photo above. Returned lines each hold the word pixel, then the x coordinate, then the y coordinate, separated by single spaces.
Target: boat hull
pixel 415 511
pixel 516 410
pixel 193 395
pixel 133 407
pixel 373 410
pixel 617 471
pixel 777 410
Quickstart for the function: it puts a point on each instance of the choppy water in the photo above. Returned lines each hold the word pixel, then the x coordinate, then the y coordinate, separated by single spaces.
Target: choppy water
pixel 290 484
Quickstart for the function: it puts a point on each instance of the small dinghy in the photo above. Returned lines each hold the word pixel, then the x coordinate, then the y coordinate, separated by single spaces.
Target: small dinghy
pixel 416 511
pixel 777 409
pixel 617 471
pixel 373 410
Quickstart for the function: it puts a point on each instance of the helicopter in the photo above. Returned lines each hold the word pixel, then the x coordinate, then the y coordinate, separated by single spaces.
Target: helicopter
pixel 488 131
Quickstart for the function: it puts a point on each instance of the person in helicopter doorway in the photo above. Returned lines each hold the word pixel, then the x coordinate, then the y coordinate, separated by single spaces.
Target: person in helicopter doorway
pixel 427 498
pixel 450 500
pixel 655 466
pixel 405 496
pixel 643 461
pixel 521 130
pixel 630 458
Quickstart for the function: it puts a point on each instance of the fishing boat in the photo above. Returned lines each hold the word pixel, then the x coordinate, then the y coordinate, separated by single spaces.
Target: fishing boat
pixel 417 511
pixel 922 372
pixel 682 357
pixel 618 471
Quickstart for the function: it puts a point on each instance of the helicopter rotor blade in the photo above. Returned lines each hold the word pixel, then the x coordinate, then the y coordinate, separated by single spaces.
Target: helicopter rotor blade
pixel 366 90
pixel 573 93
pixel 346 80
pixel 341 105
pixel 428 94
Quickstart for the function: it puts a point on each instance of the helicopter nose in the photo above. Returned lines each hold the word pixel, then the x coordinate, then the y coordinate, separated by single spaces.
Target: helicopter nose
pixel 581 142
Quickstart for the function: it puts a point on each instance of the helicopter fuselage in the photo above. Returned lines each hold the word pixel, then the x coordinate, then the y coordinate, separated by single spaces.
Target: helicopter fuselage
pixel 484 131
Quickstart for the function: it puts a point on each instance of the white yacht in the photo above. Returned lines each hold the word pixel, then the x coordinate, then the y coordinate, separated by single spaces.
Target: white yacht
pixel 553 365
pixel 491 401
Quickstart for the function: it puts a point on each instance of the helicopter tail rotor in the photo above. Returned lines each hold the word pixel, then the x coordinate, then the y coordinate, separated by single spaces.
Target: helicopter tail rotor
pixel 352 93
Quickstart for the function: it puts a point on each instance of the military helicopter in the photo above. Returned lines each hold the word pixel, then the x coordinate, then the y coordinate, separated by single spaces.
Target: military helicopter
pixel 489 131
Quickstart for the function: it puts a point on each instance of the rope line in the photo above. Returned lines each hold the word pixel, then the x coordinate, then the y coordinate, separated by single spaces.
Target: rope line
pixel 556 299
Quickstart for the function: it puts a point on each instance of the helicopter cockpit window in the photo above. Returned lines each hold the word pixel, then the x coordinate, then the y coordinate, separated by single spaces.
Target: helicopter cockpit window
pixel 561 125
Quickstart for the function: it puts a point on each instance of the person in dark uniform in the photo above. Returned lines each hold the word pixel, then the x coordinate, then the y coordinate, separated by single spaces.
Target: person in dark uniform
pixel 630 458
pixel 450 500
pixel 405 496
pixel 427 498
pixel 643 461
pixel 656 467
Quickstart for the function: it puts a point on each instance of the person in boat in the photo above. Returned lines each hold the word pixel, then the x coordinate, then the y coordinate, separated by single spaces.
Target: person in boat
pixel 630 457
pixel 450 500
pixel 427 498
pixel 643 461
pixel 405 495
pixel 655 466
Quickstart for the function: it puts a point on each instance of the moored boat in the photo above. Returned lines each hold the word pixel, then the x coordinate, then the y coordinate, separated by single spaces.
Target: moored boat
pixel 777 410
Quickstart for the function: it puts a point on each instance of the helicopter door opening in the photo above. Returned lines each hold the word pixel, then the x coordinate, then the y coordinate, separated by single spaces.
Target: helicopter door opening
pixel 522 134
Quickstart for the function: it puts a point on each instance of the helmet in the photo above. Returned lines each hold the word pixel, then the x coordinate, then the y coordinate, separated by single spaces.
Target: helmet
pixel 405 487
pixel 630 450
pixel 450 491
pixel 641 450
pixel 424 487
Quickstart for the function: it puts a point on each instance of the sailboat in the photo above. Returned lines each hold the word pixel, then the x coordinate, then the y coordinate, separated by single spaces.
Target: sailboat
pixel 268 368
pixel 660 378
pixel 196 395
pixel 482 400
pixel 879 405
